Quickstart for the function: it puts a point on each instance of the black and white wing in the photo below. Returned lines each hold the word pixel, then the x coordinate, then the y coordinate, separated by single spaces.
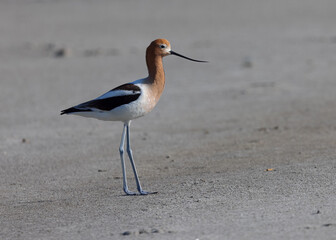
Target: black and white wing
pixel 118 96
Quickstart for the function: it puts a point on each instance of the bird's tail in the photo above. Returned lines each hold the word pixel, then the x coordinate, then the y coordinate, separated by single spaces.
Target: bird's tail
pixel 74 110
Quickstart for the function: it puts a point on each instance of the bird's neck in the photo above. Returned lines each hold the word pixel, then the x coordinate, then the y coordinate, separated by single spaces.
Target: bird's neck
pixel 155 68
pixel 156 76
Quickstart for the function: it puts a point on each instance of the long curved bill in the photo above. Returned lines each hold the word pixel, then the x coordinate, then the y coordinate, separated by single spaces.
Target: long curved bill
pixel 177 54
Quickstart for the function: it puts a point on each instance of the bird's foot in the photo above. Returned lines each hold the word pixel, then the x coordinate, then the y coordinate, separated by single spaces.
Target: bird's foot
pixel 142 192
pixel 128 192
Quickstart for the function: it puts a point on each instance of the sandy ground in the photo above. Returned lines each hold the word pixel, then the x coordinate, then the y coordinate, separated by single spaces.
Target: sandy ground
pixel 265 101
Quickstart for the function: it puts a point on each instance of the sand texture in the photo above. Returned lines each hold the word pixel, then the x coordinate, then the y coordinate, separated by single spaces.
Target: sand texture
pixel 242 147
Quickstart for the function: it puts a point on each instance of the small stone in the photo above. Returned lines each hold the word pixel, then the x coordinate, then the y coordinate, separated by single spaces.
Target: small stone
pixel 154 230
pixel 142 231
pixel 317 212
pixel 62 52
pixel 126 233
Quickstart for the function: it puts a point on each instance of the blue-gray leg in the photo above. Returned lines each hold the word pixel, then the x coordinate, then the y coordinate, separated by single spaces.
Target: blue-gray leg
pixel 121 150
pixel 130 155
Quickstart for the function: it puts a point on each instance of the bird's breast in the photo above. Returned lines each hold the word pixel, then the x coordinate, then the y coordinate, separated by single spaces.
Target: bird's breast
pixel 149 97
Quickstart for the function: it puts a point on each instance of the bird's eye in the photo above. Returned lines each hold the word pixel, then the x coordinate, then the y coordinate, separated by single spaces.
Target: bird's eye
pixel 163 46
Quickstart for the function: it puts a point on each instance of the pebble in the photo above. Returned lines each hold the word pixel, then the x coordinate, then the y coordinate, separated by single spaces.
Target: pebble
pixel 142 231
pixel 62 52
pixel 154 230
pixel 126 233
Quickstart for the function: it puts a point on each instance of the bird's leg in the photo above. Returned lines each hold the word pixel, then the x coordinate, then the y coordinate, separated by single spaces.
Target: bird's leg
pixel 121 150
pixel 130 155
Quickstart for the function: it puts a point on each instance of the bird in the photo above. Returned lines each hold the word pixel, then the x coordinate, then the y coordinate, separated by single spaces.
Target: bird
pixel 130 101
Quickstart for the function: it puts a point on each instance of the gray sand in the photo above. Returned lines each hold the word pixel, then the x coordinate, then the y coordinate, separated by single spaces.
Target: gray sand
pixel 265 101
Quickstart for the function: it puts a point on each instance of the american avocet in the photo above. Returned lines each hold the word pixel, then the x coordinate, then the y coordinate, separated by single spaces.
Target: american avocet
pixel 130 101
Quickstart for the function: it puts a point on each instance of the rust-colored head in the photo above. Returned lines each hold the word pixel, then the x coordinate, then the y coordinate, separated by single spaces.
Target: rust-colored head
pixel 159 47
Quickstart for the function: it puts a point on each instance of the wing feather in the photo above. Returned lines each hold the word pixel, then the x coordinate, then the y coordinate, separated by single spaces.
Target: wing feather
pixel 118 96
